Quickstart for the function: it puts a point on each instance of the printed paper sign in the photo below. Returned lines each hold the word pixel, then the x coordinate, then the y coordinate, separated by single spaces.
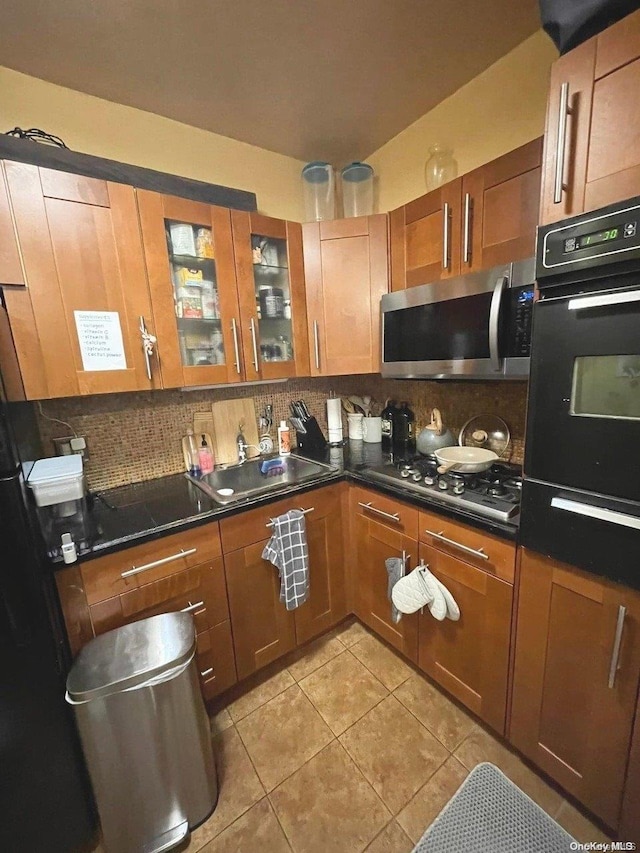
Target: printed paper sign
pixel 100 339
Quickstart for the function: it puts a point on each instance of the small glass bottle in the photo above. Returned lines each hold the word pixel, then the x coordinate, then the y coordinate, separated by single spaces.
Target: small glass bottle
pixel 441 167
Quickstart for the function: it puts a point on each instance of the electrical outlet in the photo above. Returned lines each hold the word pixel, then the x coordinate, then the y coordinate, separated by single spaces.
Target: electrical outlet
pixel 68 444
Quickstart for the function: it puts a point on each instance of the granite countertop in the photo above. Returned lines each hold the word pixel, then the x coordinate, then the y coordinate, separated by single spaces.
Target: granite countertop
pixel 127 515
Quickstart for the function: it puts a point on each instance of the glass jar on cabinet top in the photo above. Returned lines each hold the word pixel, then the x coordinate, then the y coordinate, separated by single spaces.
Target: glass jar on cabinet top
pixel 441 167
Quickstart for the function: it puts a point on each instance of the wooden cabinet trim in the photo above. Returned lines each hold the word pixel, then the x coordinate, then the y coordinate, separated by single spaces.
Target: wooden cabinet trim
pixel 11 264
pixel 68 186
pixel 354 226
pixel 617 45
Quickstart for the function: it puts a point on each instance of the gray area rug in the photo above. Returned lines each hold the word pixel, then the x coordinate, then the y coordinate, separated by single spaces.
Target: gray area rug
pixel 489 814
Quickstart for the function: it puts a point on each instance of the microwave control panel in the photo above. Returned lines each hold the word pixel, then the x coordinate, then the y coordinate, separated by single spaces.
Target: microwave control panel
pixel 516 335
pixel 601 238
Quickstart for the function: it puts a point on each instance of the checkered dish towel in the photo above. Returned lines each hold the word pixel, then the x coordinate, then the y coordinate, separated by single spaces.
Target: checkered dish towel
pixel 287 550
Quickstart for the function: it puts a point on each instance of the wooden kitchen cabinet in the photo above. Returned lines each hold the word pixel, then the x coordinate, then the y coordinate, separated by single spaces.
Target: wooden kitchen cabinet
pixel 346 269
pixel 188 248
pixel 263 629
pixel 470 657
pixel 574 688
pixel 386 528
pixel 597 157
pixel 11 271
pixel 486 218
pixel 271 291
pixel 425 237
pixel 81 251
pixel 500 209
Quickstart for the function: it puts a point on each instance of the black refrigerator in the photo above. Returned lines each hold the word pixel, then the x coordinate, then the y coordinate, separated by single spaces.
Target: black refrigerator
pixel 45 798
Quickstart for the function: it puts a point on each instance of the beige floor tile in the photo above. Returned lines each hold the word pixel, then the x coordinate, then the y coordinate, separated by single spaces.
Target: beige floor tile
pixel 481 746
pixel 395 752
pixel 257 830
pixel 239 785
pixel 392 839
pixel 283 734
pixel 438 713
pixel 428 802
pixel 329 806
pixel 343 690
pixel 313 656
pixel 387 666
pixel 578 825
pixel 352 633
pixel 259 695
pixel 220 721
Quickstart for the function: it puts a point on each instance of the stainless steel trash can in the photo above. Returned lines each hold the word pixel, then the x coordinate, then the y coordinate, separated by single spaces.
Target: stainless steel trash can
pixel 145 733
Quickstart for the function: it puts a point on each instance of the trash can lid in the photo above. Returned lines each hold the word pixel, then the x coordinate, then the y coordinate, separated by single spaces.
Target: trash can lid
pixel 127 657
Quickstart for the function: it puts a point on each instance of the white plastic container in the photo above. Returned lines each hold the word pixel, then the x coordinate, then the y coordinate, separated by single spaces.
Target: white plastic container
pixel 57 480
pixel 357 189
pixel 318 187
pixel 284 439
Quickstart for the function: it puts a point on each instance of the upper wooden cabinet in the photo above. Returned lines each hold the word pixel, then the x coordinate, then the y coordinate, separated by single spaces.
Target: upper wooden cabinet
pixel 11 271
pixel 271 290
pixel 76 324
pixel 486 218
pixel 346 275
pixel 425 237
pixel 592 151
pixel 577 667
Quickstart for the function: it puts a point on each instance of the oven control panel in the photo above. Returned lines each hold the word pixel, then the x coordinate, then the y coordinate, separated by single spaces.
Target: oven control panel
pixel 515 340
pixel 598 238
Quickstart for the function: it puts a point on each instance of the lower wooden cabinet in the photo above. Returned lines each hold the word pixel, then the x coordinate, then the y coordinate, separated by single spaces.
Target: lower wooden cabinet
pixel 263 629
pixel 470 657
pixel 577 668
pixel 216 660
pixel 374 543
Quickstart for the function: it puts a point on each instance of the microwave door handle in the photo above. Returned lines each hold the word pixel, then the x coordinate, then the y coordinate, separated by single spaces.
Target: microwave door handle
pixel 603 299
pixel 494 323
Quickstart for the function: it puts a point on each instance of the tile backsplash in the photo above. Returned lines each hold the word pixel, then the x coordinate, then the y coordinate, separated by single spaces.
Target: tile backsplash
pixel 137 436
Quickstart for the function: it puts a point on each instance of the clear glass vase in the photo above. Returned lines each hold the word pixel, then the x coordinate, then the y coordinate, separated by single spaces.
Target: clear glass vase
pixel 441 167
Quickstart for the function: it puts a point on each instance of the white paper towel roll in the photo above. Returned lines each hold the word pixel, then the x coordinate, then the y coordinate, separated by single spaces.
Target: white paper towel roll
pixel 334 419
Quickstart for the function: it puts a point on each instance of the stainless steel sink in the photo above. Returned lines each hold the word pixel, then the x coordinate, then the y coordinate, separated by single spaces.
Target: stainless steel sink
pixel 239 482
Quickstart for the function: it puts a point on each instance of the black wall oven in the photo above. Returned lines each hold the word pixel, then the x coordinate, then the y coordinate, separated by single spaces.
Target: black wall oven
pixel 581 492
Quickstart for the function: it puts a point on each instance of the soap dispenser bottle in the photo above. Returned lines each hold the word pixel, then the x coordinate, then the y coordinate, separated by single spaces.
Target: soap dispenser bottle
pixel 205 455
pixel 284 439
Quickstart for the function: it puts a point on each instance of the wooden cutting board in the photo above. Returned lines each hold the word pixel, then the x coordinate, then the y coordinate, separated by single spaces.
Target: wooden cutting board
pixel 227 415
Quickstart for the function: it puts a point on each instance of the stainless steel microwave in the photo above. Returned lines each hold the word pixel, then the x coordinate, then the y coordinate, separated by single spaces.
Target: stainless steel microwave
pixel 476 326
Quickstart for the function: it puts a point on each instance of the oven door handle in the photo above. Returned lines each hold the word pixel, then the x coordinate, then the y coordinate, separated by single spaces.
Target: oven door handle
pixel 597 512
pixel 603 299
pixel 494 322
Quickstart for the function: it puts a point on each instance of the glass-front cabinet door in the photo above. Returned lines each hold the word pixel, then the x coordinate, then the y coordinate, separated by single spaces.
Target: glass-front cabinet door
pixel 189 253
pixel 270 275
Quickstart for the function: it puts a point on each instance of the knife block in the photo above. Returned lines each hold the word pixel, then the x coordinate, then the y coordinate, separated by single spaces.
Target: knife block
pixel 313 439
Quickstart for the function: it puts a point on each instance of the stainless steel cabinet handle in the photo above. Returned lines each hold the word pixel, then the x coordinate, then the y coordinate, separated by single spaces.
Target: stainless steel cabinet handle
pixel 477 552
pixel 316 343
pixel 206 672
pixel 564 110
pixel 405 557
pixel 370 508
pixel 603 299
pixel 466 246
pixel 445 236
pixel 598 512
pixel 135 570
pixel 494 323
pixel 303 511
pixel 254 344
pixel 234 331
pixel 192 607
pixel 617 642
pixel 148 343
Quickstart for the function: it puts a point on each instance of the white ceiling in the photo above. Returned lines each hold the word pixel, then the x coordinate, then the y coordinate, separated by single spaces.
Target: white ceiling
pixel 313 79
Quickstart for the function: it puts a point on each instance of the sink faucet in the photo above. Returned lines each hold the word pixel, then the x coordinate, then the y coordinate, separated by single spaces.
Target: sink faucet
pixel 242 445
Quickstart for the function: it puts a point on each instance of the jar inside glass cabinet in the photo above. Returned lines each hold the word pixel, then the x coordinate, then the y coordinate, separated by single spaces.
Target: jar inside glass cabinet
pixel 441 166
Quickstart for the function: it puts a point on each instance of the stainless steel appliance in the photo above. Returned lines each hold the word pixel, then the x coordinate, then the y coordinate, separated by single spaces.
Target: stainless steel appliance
pixel 476 326
pixel 494 493
pixel 581 494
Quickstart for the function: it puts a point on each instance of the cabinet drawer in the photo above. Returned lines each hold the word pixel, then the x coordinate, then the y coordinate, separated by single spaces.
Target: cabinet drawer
pixel 215 660
pixel 385 510
pixel 469 544
pixel 201 589
pixel 249 527
pixel 151 561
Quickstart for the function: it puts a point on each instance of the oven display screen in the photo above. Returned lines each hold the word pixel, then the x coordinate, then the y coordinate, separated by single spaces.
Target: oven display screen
pixel 597 238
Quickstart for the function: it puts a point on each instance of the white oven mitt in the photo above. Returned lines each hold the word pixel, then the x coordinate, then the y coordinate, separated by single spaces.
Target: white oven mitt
pixel 453 611
pixel 410 592
pixel 438 605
